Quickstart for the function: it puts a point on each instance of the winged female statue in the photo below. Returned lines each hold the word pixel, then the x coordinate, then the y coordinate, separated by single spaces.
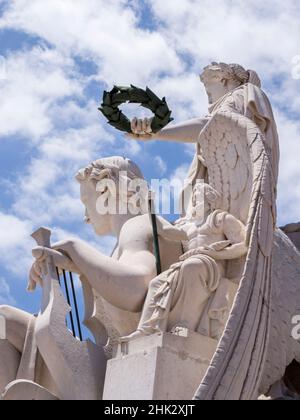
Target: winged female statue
pixel 238 155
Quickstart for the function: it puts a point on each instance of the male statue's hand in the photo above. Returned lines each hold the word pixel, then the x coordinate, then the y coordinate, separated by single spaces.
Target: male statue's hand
pixel 61 261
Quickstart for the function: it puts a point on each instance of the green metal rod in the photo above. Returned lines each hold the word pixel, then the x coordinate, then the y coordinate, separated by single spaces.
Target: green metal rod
pixel 155 237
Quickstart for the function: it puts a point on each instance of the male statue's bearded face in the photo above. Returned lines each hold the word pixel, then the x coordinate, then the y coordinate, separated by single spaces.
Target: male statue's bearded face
pixel 89 197
pixel 215 89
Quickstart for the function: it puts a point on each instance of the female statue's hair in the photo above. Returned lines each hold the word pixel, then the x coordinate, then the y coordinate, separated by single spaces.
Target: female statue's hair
pixel 233 72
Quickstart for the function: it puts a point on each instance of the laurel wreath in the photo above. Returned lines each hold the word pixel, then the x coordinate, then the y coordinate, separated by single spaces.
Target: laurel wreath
pixel 146 98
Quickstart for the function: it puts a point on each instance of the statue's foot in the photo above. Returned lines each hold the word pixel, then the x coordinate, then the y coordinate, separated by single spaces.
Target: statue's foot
pixel 133 336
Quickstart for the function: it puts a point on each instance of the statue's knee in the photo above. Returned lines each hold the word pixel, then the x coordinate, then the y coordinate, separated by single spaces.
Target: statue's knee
pixel 156 283
pixel 191 267
pixel 15 323
pixel 5 311
pixel 4 321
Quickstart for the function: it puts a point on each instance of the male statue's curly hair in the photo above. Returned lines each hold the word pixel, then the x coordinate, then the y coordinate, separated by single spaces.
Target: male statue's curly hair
pixel 109 168
pixel 115 169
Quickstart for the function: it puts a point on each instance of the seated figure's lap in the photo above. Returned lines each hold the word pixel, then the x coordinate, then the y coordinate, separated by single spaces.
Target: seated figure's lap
pixel 16 325
pixel 192 265
pixel 195 270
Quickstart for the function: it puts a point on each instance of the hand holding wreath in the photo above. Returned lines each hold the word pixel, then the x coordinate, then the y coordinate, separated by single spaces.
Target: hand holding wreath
pixel 137 127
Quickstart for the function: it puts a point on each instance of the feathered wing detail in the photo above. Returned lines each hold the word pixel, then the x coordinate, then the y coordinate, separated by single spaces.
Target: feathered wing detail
pixel 237 368
pixel 224 144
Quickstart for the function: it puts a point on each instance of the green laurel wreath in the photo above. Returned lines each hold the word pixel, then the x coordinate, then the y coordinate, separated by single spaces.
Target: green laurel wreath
pixel 146 98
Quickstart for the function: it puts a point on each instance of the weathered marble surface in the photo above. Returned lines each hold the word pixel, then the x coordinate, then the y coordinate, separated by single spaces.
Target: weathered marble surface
pixel 166 367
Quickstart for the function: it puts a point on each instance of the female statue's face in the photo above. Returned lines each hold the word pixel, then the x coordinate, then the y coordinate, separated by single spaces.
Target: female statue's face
pixel 215 89
pixel 89 197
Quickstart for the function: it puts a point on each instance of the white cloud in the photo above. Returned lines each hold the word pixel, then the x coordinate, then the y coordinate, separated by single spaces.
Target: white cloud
pixel 167 192
pixel 107 32
pixel 289 185
pixel 178 178
pixel 15 244
pixel 180 173
pixel 5 295
pixel 252 32
pixel 185 94
pixel 12 232
pixel 161 165
pixel 36 79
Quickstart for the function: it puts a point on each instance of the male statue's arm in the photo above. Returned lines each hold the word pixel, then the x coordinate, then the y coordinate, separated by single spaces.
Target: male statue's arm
pixel 123 282
pixel 168 231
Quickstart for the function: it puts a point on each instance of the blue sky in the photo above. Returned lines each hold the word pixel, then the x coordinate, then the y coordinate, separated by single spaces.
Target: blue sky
pixel 61 55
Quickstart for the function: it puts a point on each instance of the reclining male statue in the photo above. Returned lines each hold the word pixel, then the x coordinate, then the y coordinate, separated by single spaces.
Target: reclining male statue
pixel 121 280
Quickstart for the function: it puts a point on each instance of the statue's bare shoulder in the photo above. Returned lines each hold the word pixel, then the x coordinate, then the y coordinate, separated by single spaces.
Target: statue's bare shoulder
pixel 136 240
pixel 136 234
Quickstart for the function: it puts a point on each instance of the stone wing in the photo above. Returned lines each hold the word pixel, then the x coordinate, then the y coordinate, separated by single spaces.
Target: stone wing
pixel 240 167
pixel 224 146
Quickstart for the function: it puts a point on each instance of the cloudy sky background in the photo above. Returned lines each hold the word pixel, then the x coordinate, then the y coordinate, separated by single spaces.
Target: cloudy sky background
pixel 59 56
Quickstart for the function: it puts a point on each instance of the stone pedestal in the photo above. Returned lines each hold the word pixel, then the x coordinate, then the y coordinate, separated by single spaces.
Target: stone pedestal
pixel 159 367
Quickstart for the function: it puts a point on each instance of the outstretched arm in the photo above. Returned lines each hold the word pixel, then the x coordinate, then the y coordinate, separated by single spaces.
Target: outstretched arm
pixel 186 132
pixel 123 282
